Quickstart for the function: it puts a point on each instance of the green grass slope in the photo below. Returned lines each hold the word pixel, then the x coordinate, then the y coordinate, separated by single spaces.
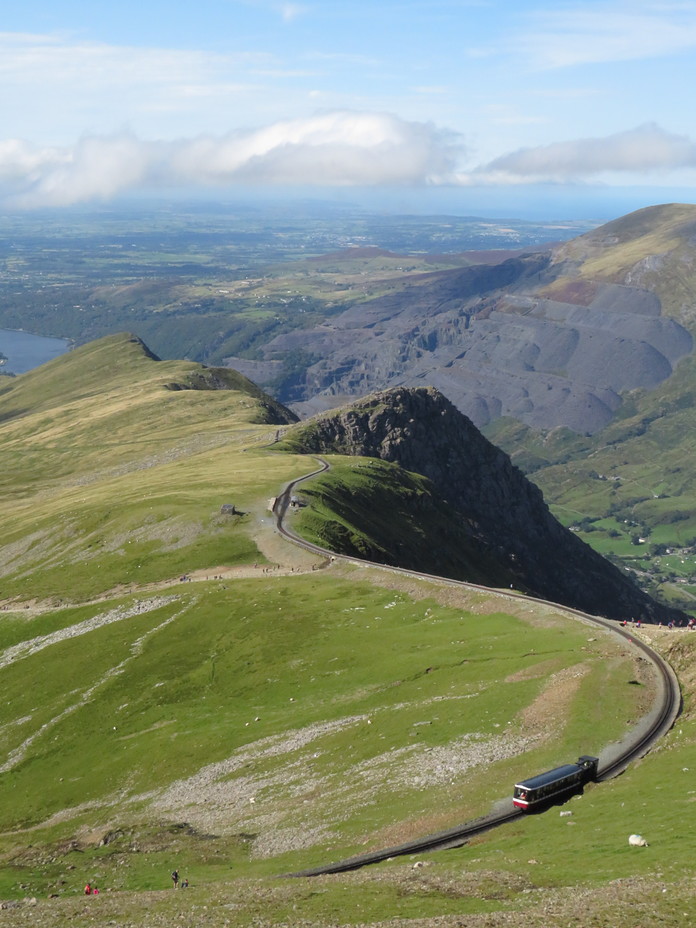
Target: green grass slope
pixel 376 510
pixel 278 711
pixel 288 721
pixel 631 491
pixel 114 465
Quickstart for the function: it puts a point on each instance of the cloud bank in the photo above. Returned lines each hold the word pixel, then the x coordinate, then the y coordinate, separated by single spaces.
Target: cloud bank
pixel 338 149
pixel 645 149
pixel 330 150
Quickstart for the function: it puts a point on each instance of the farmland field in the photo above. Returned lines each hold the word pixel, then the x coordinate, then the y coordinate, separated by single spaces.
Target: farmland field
pixel 205 282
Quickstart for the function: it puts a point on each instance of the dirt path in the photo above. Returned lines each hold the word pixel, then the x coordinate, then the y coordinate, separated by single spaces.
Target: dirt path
pixel 283 560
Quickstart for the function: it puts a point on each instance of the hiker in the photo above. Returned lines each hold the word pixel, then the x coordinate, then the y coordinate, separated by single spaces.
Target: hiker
pixel 175 878
pixel 184 883
pixel 88 890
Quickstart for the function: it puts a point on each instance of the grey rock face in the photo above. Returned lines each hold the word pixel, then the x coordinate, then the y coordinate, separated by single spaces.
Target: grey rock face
pixel 505 514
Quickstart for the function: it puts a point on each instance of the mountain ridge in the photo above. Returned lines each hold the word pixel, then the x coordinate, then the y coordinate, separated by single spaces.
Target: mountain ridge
pixel 88 369
pixel 501 511
pixel 263 719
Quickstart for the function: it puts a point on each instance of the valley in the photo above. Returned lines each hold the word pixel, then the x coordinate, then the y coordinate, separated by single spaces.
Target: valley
pixel 204 281
pixel 564 357
pixel 215 283
pixel 183 688
pixel 277 710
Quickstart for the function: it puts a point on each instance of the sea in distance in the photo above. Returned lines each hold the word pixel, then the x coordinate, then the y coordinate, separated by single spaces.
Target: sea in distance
pixel 25 351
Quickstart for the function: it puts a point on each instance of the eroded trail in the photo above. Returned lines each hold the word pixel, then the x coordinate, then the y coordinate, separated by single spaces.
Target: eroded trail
pixel 278 559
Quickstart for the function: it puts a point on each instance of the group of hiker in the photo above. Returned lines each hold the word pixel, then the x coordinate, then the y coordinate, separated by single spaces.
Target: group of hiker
pixel 91 890
pixel 175 880
pixel 636 623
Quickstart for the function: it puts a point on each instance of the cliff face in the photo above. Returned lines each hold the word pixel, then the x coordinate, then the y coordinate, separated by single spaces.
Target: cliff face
pixel 496 506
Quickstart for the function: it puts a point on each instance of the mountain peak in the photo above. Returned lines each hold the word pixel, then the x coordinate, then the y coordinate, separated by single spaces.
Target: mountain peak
pixel 495 508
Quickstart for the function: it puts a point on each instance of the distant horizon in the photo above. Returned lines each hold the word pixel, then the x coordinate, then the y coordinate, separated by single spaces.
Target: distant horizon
pixel 599 205
pixel 536 204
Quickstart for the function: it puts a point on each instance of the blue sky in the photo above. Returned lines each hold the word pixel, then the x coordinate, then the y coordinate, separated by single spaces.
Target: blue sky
pixel 102 99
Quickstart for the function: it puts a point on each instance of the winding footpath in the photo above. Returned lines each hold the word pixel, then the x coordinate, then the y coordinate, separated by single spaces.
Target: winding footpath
pixel 654 725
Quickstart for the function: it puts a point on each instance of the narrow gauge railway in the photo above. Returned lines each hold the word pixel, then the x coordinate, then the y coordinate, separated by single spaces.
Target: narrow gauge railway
pixel 656 724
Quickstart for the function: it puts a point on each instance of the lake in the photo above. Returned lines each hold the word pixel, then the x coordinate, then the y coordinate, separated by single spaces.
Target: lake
pixel 25 351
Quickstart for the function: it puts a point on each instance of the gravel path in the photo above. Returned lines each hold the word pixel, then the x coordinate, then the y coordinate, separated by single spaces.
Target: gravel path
pixel 33 645
pixel 37 644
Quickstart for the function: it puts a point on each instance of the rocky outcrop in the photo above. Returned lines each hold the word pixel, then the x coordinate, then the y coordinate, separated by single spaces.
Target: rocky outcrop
pixel 494 504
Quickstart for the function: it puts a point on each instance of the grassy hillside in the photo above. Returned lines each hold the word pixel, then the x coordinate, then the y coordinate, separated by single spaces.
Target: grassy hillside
pixel 376 510
pixel 630 489
pixel 632 493
pixel 115 466
pixel 195 703
pixel 277 711
pixel 651 248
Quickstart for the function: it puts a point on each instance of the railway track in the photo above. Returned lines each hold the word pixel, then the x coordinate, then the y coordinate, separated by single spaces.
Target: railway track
pixel 654 725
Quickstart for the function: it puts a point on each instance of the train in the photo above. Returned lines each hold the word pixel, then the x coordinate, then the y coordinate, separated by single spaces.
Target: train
pixel 561 781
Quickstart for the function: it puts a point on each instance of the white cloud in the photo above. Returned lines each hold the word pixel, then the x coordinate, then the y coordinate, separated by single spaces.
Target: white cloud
pixel 331 149
pixel 62 87
pixel 31 59
pixel 95 168
pixel 291 11
pixel 645 149
pixel 607 32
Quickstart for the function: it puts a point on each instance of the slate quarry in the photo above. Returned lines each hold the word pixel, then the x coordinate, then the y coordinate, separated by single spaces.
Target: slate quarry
pixel 530 338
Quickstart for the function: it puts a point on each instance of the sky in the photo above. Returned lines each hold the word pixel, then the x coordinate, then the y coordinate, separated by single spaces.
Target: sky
pixel 460 101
